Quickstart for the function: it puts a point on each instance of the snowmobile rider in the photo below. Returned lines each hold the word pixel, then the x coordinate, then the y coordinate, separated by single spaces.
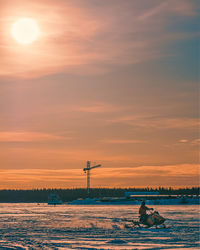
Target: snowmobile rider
pixel 143 212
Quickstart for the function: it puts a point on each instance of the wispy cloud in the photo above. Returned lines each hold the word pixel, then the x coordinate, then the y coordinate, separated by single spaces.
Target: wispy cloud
pixel 120 141
pixel 32 178
pixel 154 175
pixel 192 142
pixel 162 9
pixel 196 141
pixel 183 141
pixel 74 36
pixel 97 108
pixel 156 122
pixel 26 136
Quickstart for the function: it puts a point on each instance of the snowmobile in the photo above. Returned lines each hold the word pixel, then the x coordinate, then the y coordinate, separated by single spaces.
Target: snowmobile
pixel 153 219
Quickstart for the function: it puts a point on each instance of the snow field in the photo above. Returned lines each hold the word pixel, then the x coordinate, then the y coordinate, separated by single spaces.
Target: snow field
pixel 33 226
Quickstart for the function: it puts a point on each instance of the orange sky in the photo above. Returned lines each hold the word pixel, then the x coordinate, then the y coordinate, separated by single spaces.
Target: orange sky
pixel 114 82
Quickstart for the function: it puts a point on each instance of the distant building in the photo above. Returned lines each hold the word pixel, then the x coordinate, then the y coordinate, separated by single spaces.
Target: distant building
pixel 140 194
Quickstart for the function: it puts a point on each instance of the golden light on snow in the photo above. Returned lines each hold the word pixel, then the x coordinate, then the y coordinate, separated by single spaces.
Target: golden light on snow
pixel 25 31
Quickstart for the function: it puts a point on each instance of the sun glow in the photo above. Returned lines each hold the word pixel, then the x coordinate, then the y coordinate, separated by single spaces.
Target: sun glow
pixel 25 31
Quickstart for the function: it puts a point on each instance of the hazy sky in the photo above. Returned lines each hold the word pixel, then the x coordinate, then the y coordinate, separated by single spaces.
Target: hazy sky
pixel 111 81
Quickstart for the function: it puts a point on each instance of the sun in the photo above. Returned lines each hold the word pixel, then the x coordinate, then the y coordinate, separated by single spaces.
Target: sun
pixel 25 31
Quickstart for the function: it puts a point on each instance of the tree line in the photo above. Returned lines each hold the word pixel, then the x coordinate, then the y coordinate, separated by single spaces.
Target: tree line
pixel 66 195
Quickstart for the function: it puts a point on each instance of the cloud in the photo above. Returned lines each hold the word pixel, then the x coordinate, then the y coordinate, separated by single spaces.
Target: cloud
pixel 97 108
pixel 89 37
pixel 166 175
pixel 156 122
pixel 26 136
pixel 169 7
pixel 196 141
pixel 132 176
pixel 183 141
pixel 41 178
pixel 119 141
pixel 165 170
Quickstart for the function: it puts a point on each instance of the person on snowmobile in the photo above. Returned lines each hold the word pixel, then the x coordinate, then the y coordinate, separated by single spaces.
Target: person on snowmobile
pixel 143 212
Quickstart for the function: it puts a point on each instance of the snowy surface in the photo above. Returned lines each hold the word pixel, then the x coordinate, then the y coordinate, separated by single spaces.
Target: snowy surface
pixel 173 201
pixel 32 226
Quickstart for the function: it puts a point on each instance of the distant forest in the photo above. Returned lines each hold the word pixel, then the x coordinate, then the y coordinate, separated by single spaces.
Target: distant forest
pixel 41 195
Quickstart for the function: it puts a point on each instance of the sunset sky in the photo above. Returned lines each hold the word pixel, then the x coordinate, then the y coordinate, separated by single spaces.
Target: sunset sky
pixel 111 81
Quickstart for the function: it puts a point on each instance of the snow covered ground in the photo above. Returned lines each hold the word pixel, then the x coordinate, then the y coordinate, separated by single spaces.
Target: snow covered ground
pixel 32 226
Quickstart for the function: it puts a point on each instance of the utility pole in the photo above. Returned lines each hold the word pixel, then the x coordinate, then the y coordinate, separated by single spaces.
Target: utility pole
pixel 87 170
